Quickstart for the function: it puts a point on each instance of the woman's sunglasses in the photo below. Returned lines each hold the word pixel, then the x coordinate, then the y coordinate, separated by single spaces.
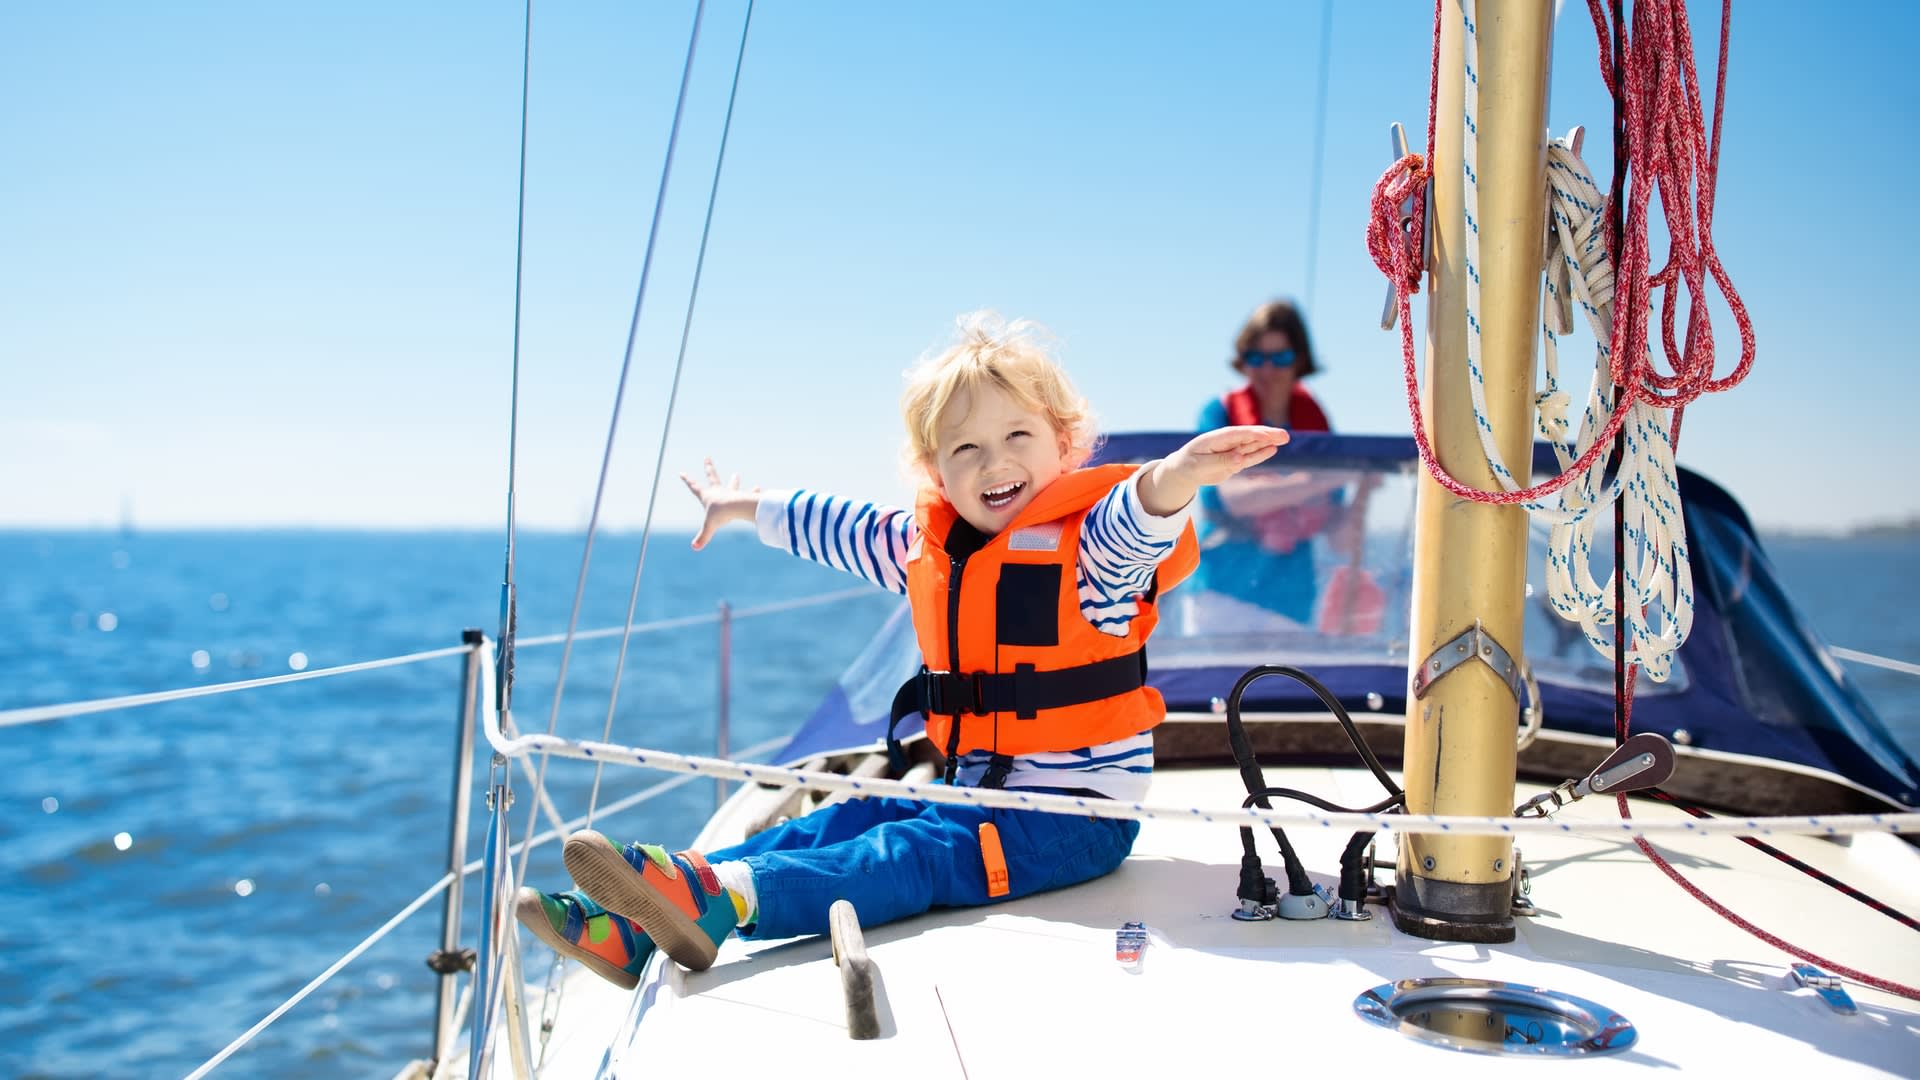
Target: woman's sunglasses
pixel 1283 358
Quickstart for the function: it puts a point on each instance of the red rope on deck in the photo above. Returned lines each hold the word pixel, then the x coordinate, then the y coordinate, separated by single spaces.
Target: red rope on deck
pixel 1801 865
pixel 1782 944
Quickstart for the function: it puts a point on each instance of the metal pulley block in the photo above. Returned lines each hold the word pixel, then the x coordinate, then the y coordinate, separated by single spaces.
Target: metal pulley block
pixel 1643 761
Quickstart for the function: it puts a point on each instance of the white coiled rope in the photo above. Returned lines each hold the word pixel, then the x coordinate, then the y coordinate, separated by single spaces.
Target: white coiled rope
pixel 1659 582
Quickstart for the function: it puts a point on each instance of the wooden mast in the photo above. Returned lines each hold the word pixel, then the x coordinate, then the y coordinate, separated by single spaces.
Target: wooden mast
pixel 1470 559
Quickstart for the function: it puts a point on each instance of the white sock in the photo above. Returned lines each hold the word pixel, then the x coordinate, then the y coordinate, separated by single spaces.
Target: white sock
pixel 738 876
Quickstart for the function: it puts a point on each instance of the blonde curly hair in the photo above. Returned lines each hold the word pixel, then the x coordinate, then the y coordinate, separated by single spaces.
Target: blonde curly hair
pixel 990 351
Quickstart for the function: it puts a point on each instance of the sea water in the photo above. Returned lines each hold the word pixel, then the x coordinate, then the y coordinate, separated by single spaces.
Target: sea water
pixel 169 874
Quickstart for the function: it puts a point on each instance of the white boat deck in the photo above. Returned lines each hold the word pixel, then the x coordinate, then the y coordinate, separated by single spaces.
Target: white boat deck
pixel 1032 988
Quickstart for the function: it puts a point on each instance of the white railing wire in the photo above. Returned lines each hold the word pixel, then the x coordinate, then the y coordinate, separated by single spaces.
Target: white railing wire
pixel 1874 661
pixel 637 757
pixel 35 714
pixel 1832 825
pixel 440 886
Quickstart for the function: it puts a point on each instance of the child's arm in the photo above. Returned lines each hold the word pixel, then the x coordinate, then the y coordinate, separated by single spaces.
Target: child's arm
pixel 1170 483
pixel 868 541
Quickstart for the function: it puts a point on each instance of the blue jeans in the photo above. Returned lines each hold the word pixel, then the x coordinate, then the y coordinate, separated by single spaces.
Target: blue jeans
pixel 899 857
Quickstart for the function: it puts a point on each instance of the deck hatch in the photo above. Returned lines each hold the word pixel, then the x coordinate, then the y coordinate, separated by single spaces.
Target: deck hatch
pixel 1489 1017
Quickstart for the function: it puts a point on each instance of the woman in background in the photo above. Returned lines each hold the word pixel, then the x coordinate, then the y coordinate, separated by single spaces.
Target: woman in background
pixel 1274 353
pixel 1256 532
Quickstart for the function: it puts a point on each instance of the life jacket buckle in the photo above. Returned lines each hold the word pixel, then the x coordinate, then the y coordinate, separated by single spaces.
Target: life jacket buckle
pixel 950 693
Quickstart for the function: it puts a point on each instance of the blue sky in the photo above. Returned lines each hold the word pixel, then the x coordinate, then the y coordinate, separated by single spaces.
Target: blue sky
pixel 257 260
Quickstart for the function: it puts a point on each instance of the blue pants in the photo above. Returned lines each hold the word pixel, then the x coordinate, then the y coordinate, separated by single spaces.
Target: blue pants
pixel 899 857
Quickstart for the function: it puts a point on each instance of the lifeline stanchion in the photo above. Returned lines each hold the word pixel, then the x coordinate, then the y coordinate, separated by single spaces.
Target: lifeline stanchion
pixel 723 722
pixel 485 971
pixel 450 960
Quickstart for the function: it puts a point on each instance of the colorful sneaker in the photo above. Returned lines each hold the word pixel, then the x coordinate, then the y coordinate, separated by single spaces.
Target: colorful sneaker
pixel 677 897
pixel 611 946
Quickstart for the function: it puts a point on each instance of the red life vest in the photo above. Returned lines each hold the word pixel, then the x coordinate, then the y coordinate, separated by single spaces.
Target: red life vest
pixel 1303 413
pixel 1013 667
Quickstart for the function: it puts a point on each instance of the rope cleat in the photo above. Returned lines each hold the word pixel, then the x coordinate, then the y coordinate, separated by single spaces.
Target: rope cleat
pixel 1827 986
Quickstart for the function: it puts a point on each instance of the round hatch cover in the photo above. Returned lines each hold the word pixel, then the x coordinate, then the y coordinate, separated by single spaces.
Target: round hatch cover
pixel 1495 1017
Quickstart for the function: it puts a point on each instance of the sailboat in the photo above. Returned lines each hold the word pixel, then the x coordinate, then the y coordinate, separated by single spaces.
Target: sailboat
pixel 1561 940
pixel 1522 923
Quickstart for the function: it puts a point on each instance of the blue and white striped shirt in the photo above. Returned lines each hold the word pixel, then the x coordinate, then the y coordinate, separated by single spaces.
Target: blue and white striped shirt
pixel 1120 545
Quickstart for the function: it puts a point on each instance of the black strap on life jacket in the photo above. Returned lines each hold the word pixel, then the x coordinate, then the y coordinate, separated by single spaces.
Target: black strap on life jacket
pixel 998 768
pixel 1024 692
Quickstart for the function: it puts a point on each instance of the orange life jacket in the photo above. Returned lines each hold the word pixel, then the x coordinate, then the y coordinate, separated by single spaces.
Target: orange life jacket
pixel 1012 666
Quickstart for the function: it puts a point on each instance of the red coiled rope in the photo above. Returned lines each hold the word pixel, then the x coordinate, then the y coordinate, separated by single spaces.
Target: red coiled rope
pixel 1668 152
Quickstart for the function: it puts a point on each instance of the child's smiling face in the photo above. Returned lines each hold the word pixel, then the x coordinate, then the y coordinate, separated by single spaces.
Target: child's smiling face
pixel 993 455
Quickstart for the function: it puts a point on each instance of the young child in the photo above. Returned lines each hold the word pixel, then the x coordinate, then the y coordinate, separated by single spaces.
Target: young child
pixel 1035 578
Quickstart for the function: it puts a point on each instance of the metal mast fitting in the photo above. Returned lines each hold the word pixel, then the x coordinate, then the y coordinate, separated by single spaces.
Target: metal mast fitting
pixel 1471 558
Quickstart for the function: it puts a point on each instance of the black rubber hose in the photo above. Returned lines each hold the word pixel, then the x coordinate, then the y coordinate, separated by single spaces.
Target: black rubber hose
pixel 1236 733
pixel 1388 803
pixel 1353 875
pixel 1298 883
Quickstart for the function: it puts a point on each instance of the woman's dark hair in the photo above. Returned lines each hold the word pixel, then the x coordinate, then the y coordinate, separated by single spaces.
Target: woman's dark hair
pixel 1278 315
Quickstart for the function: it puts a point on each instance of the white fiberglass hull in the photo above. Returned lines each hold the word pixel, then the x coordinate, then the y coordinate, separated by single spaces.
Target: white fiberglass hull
pixel 1032 988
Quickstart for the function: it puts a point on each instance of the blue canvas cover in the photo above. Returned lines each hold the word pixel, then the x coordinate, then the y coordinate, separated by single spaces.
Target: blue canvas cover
pixel 1306 560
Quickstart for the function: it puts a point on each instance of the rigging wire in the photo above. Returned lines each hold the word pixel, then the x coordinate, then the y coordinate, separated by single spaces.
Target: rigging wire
pixel 1319 151
pixel 620 394
pixel 509 604
pixel 673 395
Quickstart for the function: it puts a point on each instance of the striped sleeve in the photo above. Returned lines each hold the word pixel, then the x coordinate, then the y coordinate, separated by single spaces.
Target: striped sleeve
pixel 864 539
pixel 1121 544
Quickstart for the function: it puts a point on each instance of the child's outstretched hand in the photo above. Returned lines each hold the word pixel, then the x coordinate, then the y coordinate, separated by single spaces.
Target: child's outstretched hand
pixel 1215 455
pixel 1208 458
pixel 724 502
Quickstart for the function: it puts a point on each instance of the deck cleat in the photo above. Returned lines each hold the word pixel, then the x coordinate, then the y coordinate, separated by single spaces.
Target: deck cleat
pixel 1522 887
pixel 1829 987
